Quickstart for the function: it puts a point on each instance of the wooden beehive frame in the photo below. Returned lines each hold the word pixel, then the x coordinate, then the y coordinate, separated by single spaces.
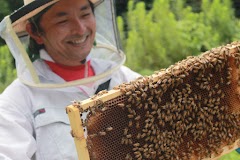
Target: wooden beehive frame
pixel 78 131
pixel 76 123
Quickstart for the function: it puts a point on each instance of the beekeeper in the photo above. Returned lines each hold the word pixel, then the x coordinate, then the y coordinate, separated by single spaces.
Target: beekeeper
pixel 64 50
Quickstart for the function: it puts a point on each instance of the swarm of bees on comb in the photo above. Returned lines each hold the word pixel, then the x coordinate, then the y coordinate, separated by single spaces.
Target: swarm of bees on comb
pixel 188 111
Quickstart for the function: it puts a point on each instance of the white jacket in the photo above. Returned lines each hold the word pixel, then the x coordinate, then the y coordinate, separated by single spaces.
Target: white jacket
pixel 34 123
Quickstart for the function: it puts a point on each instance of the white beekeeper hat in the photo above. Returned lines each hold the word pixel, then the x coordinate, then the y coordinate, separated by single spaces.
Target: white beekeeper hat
pixel 12 30
pixel 32 7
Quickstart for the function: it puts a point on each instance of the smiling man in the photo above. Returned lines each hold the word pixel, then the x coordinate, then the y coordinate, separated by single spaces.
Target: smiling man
pixel 64 50
pixel 67 31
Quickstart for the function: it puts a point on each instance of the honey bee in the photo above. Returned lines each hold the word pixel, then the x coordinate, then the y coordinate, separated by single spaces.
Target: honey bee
pixel 92 135
pixel 136 144
pixel 130 123
pixel 128 157
pixel 109 129
pixel 102 133
pixel 125 131
pixel 121 105
pixel 137 118
pixel 130 116
pixel 137 125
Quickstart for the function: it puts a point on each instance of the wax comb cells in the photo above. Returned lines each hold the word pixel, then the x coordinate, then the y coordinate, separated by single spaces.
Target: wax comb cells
pixel 188 111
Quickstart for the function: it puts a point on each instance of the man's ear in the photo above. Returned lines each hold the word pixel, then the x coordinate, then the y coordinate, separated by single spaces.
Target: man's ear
pixel 35 35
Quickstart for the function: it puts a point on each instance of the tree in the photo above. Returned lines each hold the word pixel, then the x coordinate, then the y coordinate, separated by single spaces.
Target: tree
pixel 14 4
pixel 8 71
pixel 7 7
pixel 169 32
pixel 3 12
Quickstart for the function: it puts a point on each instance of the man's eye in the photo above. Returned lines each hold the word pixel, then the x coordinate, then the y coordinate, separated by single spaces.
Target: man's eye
pixel 61 22
pixel 87 14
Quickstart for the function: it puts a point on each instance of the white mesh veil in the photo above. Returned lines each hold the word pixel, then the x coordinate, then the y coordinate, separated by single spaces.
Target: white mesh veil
pixel 107 49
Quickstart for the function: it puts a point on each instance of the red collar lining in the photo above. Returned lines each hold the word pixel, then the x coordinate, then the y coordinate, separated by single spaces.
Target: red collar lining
pixel 70 73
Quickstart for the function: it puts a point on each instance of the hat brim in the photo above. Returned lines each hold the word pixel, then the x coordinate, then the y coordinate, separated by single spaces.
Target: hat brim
pixel 21 16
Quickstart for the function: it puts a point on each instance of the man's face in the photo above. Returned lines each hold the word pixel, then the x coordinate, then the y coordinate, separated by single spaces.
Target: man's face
pixel 68 31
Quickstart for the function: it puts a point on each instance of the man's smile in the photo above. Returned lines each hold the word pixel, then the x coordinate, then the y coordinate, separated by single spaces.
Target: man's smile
pixel 78 41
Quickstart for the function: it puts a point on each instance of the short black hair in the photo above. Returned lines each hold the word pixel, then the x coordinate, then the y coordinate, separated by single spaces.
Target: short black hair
pixel 33 46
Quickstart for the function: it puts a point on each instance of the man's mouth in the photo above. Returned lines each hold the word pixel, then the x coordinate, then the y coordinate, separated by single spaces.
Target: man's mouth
pixel 78 41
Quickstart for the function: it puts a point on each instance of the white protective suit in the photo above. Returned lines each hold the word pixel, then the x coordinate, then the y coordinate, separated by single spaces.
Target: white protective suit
pixel 34 120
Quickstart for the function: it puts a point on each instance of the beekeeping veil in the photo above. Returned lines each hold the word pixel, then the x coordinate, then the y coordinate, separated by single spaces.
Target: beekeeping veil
pixel 12 30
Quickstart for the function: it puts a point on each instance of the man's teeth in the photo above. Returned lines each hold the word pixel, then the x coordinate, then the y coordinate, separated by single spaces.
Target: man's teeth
pixel 78 41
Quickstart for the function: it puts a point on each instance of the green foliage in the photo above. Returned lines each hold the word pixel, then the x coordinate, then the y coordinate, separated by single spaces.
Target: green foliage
pixel 220 16
pixel 158 33
pixel 170 31
pixel 3 12
pixel 7 7
pixel 4 9
pixel 231 156
pixel 7 70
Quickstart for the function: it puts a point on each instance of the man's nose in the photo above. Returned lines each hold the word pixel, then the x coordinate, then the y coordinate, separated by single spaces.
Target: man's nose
pixel 78 26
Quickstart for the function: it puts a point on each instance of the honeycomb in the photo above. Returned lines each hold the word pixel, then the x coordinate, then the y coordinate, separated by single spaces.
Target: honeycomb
pixel 188 111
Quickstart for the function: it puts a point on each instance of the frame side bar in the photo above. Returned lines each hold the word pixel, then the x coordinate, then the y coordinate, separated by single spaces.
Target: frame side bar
pixel 78 132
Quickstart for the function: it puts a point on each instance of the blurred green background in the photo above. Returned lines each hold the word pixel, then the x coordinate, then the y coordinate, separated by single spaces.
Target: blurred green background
pixel 157 33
